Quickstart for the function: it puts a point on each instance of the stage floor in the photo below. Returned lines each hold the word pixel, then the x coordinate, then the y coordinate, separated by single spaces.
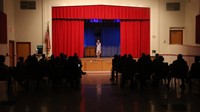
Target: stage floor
pixel 97 64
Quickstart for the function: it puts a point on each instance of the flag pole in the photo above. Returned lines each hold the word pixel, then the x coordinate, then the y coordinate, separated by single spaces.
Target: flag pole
pixel 47 39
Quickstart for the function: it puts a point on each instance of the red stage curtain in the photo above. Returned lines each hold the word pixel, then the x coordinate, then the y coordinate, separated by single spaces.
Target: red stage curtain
pixel 145 37
pixel 130 38
pixel 68 37
pixel 101 12
pixel 134 37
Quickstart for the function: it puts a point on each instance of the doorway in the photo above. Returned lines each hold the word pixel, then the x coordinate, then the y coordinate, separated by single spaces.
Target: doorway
pixel 23 49
pixel 176 36
pixel 11 53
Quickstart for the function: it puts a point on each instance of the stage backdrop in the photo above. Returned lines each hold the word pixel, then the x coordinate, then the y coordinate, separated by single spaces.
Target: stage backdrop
pixel 68 28
pixel 107 31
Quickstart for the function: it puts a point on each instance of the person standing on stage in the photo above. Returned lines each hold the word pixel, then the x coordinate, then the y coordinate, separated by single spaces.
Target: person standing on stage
pixel 98 48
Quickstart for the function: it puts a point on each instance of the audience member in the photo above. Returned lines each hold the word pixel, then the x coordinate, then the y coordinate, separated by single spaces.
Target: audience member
pixel 4 69
pixel 180 69
pixel 115 68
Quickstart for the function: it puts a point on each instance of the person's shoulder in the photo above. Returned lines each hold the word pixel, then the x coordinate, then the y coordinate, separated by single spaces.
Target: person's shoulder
pixel 175 61
pixel 4 66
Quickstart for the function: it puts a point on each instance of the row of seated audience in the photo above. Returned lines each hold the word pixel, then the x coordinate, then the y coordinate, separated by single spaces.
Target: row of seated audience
pixel 145 70
pixel 58 70
pixel 53 71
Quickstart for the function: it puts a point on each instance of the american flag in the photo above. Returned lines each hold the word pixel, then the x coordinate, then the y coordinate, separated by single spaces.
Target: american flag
pixel 47 39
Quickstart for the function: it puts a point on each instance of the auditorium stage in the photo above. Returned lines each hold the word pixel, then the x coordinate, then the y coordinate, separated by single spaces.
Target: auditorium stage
pixel 97 64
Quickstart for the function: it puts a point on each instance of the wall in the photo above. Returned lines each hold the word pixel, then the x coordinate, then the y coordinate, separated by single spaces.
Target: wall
pixel 30 25
pixel 50 3
pixel 161 21
pixel 190 19
pixel 191 10
pixel 9 10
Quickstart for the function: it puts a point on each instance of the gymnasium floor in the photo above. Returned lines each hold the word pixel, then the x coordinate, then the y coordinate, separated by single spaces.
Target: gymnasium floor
pixel 98 94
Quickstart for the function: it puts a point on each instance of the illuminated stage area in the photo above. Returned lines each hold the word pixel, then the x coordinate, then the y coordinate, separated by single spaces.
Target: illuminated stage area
pixel 96 64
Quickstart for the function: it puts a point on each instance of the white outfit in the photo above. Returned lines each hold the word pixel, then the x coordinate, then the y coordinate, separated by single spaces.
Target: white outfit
pixel 98 48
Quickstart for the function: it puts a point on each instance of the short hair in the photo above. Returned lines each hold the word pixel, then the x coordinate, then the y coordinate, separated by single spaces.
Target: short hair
pixel 180 56
pixel 2 59
pixel 21 58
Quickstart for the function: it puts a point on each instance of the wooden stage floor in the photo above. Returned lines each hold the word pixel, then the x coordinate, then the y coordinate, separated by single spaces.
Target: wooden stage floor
pixel 97 64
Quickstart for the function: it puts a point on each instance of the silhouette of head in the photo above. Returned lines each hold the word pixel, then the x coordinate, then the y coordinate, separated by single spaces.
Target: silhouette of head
pixel 43 55
pixel 75 55
pixel 2 59
pixel 161 58
pixel 21 59
pixel 157 55
pixel 130 56
pixel 180 56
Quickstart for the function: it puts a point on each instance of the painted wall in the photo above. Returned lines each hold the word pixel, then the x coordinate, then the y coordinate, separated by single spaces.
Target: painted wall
pixel 9 10
pixel 192 10
pixel 30 25
pixel 161 22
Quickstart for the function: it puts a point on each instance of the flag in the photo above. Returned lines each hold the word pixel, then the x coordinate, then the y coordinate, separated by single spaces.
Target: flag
pixel 47 39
